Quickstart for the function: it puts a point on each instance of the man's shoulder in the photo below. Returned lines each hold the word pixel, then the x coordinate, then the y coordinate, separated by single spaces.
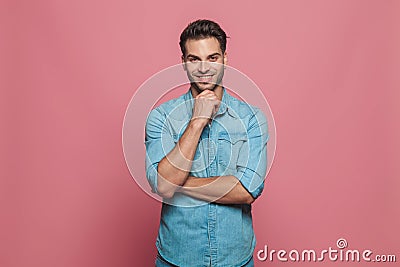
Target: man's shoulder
pixel 242 108
pixel 172 103
pixel 170 107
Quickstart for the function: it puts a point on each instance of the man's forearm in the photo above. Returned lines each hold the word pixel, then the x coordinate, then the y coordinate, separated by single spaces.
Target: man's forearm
pixel 220 189
pixel 174 168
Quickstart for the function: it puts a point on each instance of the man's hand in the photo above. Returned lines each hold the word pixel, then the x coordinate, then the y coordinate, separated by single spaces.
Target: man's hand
pixel 205 107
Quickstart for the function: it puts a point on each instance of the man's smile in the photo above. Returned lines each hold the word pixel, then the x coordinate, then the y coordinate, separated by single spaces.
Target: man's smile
pixel 204 78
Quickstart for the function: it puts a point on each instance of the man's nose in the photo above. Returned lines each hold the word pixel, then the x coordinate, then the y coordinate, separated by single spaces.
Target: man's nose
pixel 204 66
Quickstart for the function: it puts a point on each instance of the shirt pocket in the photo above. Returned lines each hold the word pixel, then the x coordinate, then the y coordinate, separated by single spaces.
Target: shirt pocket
pixel 229 145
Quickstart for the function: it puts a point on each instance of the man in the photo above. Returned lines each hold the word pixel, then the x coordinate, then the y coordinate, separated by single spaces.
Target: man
pixel 206 156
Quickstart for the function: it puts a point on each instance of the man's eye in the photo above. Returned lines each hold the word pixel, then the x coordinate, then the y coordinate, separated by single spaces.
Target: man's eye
pixel 213 58
pixel 193 59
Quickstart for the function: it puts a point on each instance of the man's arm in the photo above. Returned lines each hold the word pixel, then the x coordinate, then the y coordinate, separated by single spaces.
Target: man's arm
pixel 219 189
pixel 174 168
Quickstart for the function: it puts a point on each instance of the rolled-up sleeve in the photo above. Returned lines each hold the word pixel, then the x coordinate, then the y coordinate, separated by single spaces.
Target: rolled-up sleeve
pixel 252 160
pixel 158 142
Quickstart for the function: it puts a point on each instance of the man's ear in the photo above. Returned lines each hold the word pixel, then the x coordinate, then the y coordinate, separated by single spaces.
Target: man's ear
pixel 225 59
pixel 183 62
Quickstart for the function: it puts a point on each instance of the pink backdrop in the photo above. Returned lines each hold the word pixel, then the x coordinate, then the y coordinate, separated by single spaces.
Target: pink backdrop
pixel 329 70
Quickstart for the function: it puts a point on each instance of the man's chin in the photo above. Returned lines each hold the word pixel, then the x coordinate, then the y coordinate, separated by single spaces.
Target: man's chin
pixel 206 86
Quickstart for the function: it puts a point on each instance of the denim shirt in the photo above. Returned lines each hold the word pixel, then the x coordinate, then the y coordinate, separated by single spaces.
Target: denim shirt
pixel 194 232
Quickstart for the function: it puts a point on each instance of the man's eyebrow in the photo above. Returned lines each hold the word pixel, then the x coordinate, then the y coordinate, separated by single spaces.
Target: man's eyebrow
pixel 193 56
pixel 213 54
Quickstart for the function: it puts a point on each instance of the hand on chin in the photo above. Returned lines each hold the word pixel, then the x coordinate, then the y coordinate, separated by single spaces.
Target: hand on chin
pixel 206 86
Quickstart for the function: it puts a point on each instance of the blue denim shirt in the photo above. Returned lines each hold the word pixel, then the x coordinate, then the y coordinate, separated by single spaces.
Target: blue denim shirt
pixel 194 232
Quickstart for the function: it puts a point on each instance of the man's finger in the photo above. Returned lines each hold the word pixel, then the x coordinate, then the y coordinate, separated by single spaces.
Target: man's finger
pixel 205 92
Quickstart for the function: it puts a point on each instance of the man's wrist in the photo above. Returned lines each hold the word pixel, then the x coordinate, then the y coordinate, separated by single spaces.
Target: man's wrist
pixel 198 123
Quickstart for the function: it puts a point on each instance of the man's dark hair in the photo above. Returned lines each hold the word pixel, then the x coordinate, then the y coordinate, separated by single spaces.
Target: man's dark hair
pixel 201 29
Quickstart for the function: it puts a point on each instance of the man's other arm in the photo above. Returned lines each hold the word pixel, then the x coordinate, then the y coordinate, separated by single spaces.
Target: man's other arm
pixel 219 189
pixel 247 183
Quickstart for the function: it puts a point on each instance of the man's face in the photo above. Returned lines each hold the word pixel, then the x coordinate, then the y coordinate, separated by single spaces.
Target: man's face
pixel 201 63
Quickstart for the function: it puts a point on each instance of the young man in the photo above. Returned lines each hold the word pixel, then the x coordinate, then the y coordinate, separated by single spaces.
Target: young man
pixel 206 156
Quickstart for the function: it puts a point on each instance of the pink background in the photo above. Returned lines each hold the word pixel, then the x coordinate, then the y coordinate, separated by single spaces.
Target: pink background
pixel 329 70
